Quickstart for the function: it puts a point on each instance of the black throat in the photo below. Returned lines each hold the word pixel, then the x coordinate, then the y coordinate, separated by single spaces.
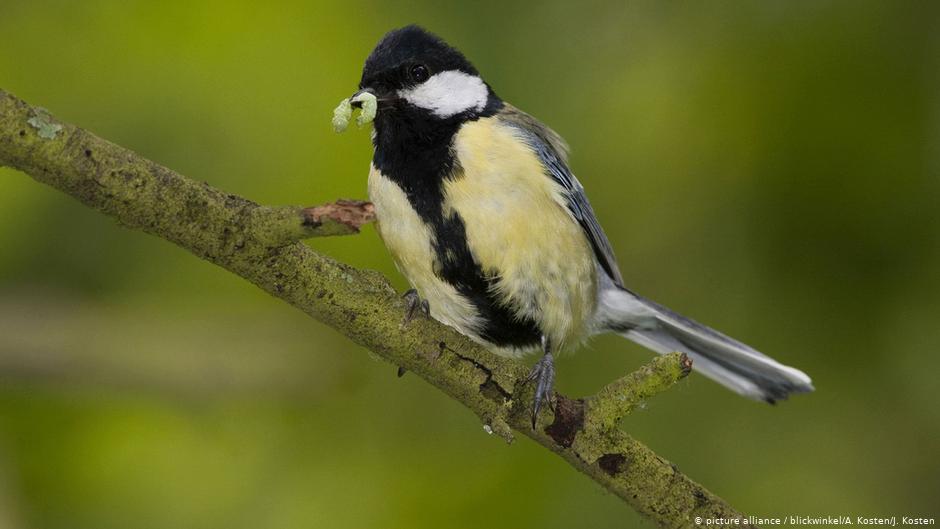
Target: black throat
pixel 415 152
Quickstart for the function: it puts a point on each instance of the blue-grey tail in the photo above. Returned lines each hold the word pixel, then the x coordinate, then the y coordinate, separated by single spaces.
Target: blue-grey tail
pixel 720 358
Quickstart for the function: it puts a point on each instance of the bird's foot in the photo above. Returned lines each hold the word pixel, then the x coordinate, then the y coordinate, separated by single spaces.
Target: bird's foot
pixel 543 372
pixel 415 304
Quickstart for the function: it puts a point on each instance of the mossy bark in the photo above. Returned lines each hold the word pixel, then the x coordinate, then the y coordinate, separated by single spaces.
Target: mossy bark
pixel 257 243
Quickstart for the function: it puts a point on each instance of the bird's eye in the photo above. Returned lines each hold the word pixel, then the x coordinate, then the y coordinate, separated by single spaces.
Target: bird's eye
pixel 420 73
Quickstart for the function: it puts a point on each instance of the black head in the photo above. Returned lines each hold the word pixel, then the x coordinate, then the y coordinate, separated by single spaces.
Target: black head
pixel 407 47
pixel 420 80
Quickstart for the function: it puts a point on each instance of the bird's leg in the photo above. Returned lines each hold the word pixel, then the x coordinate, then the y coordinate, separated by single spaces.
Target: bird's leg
pixel 415 303
pixel 543 372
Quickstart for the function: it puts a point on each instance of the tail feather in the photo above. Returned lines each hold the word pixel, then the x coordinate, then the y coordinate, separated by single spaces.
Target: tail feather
pixel 723 359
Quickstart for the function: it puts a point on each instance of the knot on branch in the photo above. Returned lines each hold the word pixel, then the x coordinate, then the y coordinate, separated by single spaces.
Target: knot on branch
pixel 280 225
pixel 569 420
pixel 349 213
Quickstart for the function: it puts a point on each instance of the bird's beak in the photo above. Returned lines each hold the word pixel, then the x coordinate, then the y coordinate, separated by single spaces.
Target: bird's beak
pixel 384 100
pixel 358 104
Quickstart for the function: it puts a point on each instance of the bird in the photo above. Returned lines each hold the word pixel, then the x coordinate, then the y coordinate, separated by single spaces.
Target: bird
pixel 477 205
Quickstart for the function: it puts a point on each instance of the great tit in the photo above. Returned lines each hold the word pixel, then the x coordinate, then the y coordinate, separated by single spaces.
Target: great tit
pixel 480 212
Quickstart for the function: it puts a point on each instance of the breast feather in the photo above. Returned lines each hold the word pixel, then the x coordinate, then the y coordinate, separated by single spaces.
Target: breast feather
pixel 519 229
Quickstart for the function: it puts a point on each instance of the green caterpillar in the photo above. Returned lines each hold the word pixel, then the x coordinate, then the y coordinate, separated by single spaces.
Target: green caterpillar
pixel 343 112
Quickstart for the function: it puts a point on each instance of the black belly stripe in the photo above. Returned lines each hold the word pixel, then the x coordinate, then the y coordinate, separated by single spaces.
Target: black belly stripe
pixel 458 267
pixel 419 165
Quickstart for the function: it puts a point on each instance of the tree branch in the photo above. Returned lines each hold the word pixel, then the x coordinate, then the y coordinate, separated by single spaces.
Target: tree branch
pixel 256 243
pixel 279 225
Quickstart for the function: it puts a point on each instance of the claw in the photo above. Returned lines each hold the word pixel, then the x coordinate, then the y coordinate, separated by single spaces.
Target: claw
pixel 544 373
pixel 415 303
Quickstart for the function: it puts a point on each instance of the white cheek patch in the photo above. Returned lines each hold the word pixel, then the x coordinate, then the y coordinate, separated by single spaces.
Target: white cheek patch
pixel 448 93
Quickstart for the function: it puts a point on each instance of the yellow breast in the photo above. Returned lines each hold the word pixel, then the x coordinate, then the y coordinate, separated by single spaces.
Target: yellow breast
pixel 519 229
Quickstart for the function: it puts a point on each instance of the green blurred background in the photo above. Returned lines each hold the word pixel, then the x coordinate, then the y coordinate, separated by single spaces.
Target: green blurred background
pixel 771 168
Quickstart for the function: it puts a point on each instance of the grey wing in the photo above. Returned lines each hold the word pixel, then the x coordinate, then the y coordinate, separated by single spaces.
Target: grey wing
pixel 553 152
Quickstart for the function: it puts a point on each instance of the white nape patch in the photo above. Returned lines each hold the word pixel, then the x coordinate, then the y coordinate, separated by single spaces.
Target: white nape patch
pixel 448 93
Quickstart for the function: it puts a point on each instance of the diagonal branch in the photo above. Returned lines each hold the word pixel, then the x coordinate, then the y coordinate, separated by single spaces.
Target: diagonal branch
pixel 257 243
